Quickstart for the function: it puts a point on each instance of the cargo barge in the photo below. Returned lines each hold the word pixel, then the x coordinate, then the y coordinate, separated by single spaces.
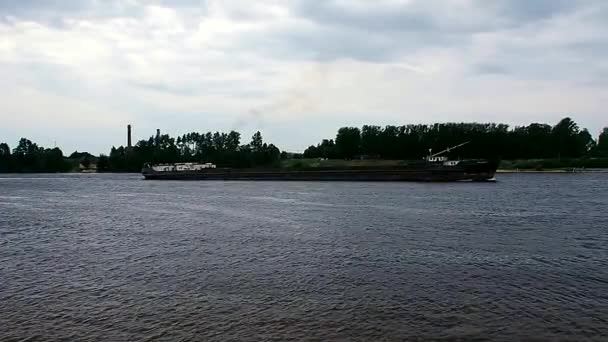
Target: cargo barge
pixel 434 168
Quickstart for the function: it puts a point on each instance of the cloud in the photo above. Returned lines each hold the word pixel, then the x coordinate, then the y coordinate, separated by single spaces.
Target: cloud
pixel 223 64
pixel 523 11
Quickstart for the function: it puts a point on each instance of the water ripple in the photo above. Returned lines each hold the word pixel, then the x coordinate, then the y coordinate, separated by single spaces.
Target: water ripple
pixel 115 258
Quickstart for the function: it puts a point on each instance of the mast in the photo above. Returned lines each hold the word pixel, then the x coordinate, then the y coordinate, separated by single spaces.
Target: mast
pixel 448 150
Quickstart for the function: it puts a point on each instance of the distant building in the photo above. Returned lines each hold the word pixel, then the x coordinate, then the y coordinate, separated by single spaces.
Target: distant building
pixel 92 168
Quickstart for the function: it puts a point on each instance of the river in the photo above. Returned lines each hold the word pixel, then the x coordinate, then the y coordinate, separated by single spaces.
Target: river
pixel 115 258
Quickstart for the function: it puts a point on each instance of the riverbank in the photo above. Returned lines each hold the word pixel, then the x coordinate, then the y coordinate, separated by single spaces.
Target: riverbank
pixel 553 171
pixel 524 165
pixel 587 165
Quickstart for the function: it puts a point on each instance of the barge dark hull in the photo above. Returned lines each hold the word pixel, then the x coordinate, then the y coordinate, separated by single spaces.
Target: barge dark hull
pixel 469 171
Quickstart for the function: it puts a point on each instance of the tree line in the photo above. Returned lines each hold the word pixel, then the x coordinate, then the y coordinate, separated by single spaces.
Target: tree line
pixel 565 140
pixel 29 157
pixel 494 141
pixel 222 149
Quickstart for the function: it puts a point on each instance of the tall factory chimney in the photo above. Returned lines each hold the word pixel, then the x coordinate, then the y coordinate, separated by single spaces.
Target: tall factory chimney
pixel 129 136
pixel 157 137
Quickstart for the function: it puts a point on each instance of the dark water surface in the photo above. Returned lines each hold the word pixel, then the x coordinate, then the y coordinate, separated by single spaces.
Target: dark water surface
pixel 115 258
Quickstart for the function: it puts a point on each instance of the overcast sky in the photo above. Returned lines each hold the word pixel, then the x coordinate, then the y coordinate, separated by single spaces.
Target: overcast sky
pixel 76 72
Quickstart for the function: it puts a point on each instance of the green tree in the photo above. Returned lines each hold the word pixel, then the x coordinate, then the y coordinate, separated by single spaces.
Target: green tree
pixel 565 138
pixel 312 152
pixel 27 156
pixel 117 158
pixel 487 140
pixel 5 150
pixel 86 161
pixel 233 140
pixel 371 141
pixel 601 148
pixel 219 141
pixel 389 142
pixel 5 158
pixel 348 142
pixel 602 142
pixel 585 142
pixel 271 155
pixel 220 148
pixel 54 161
pixel 26 147
pixel 103 163
pixel 257 142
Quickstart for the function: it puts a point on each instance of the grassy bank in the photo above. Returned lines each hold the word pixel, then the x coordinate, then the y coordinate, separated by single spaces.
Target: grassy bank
pixel 554 164
pixel 528 164
pixel 334 163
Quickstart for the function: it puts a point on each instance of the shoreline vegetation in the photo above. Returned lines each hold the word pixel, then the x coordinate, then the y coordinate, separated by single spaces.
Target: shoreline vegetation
pixel 511 166
pixel 537 147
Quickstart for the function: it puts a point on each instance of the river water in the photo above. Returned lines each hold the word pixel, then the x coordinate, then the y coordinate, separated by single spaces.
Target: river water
pixel 115 258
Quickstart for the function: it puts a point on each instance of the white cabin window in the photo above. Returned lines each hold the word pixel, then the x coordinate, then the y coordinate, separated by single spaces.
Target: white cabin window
pixel 183 167
pixel 436 159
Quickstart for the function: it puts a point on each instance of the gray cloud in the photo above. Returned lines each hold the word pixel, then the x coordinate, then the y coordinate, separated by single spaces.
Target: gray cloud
pixel 235 59
pixel 69 7
pixel 381 32
pixel 523 11
pixel 206 87
pixel 385 18
pixel 491 69
pixel 323 45
pixel 55 12
pixel 330 30
pixel 435 16
pixel 21 7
